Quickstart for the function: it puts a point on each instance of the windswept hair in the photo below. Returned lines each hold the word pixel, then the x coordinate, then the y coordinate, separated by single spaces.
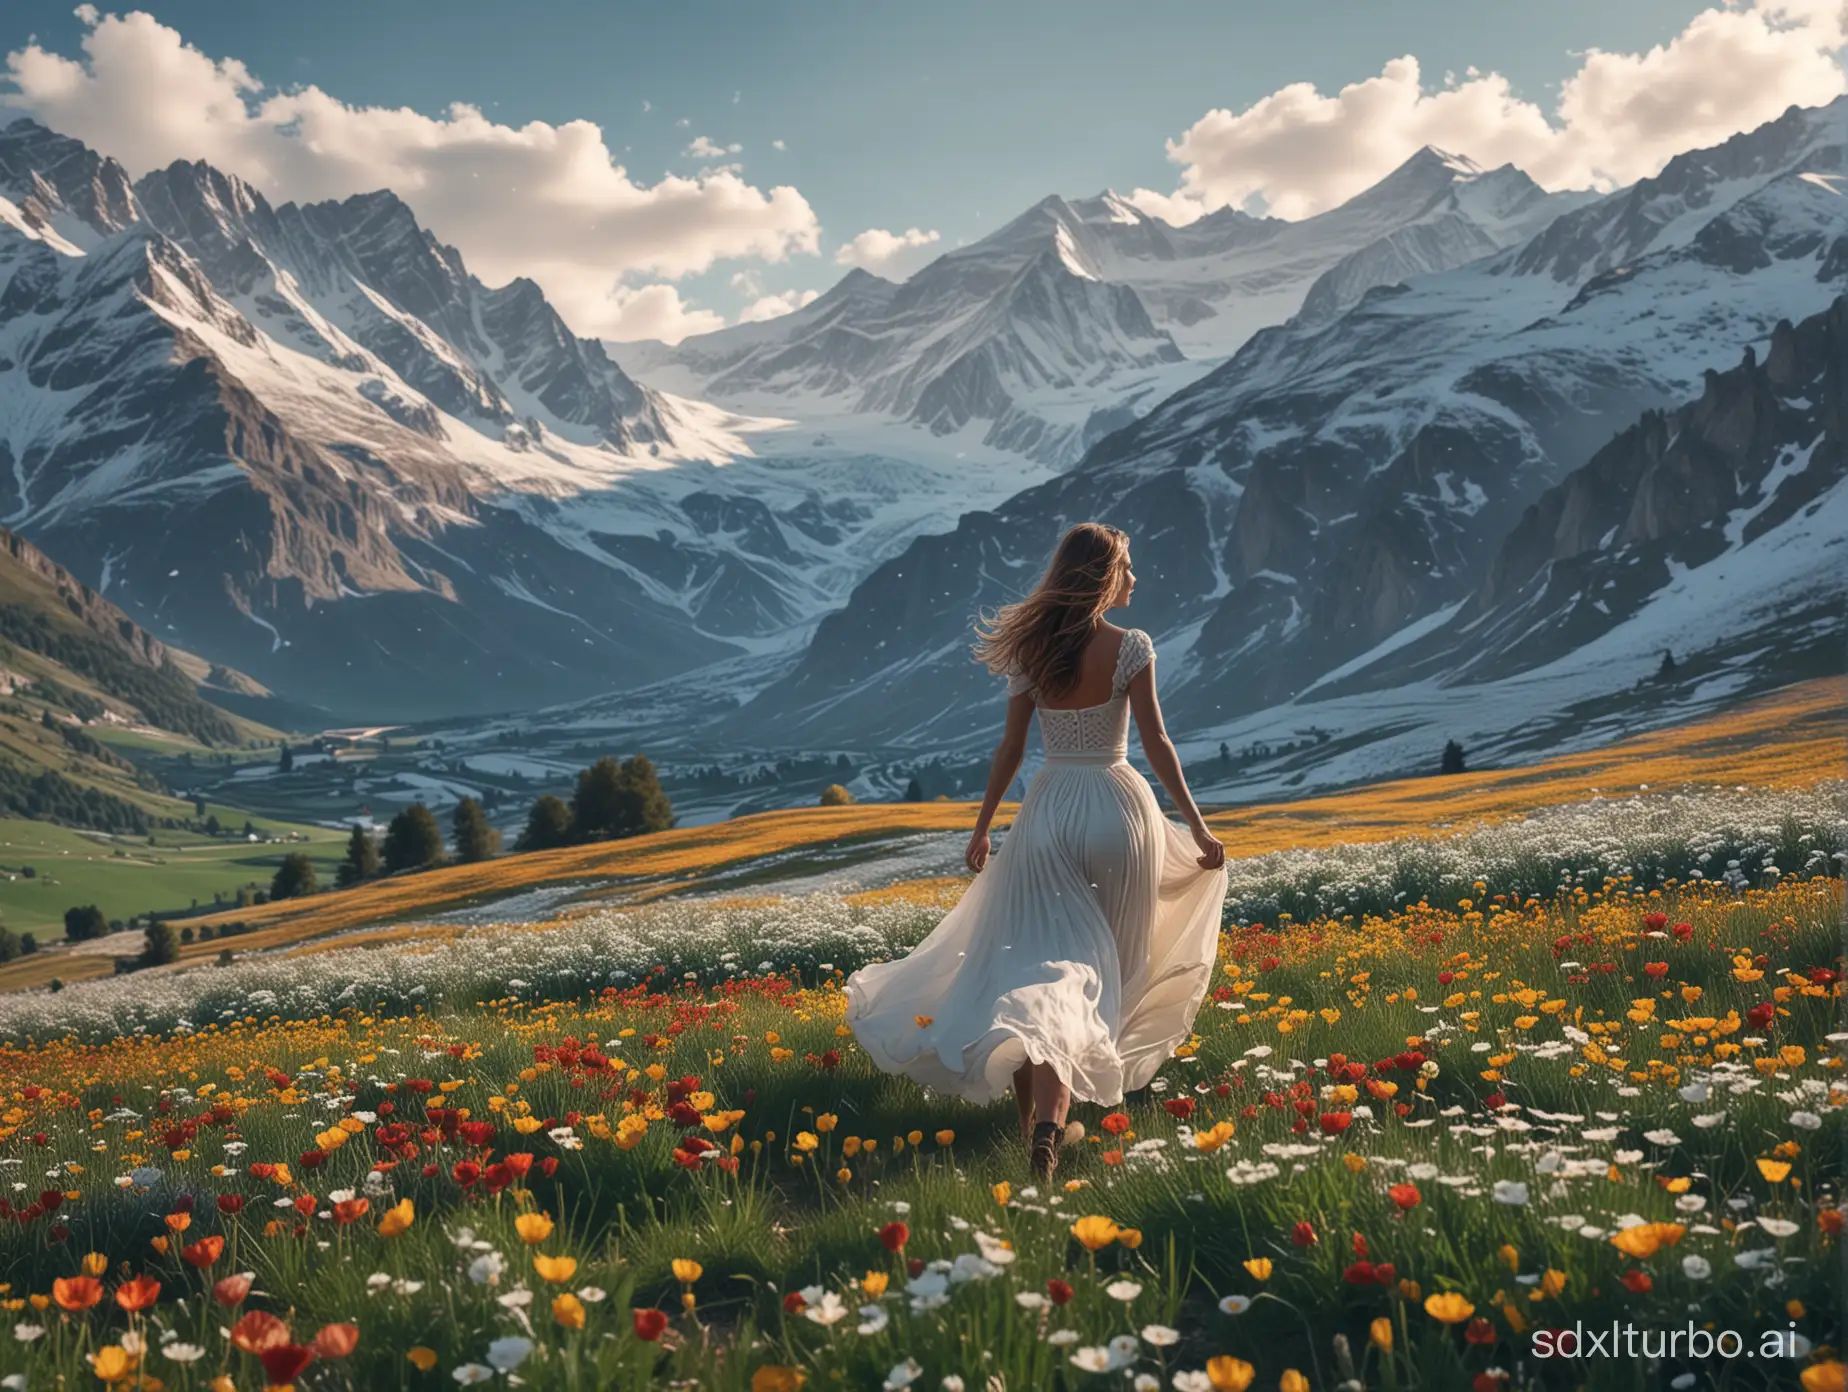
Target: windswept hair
pixel 1044 635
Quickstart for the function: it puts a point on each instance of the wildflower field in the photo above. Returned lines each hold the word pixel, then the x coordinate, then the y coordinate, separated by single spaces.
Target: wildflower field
pixel 1450 1095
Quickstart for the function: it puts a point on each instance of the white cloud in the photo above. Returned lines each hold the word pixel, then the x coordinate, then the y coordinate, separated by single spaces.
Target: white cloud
pixel 891 254
pixel 779 144
pixel 775 306
pixel 704 149
pixel 653 311
pixel 1619 117
pixel 540 200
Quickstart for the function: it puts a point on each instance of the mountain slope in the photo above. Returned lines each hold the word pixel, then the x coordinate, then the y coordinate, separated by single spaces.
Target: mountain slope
pixel 1334 486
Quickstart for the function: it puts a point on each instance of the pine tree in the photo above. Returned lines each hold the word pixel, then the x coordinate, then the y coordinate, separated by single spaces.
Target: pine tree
pixel 294 877
pixel 362 859
pixel 616 800
pixel 1666 672
pixel 1453 757
pixel 914 790
pixel 834 795
pixel 413 841
pixel 160 944
pixel 475 839
pixel 548 824
pixel 286 763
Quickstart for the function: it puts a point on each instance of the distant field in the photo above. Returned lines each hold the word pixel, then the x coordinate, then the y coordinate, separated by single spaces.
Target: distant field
pixel 1792 738
pixel 126 875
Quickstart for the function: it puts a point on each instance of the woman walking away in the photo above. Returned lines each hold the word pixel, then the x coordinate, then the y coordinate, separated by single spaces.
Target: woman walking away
pixel 1077 960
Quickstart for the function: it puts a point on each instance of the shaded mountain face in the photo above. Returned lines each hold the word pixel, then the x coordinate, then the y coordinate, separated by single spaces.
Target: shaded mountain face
pixel 1079 315
pixel 1338 485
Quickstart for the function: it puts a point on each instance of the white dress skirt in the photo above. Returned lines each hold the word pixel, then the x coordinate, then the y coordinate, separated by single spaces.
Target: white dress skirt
pixel 1087 942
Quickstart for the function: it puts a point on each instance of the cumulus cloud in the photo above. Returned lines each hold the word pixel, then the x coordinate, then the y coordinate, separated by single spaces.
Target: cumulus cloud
pixel 1618 118
pixel 703 149
pixel 891 254
pixel 543 200
pixel 776 306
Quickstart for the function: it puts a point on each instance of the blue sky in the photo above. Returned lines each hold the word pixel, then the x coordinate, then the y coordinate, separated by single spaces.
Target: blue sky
pixel 946 116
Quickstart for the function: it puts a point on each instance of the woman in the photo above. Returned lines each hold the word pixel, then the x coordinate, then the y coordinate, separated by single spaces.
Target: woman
pixel 1078 958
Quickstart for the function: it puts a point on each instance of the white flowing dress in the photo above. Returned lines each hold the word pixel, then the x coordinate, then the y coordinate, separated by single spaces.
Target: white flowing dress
pixel 1087 942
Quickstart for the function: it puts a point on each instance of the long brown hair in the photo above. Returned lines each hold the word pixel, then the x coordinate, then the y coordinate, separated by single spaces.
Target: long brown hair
pixel 1043 635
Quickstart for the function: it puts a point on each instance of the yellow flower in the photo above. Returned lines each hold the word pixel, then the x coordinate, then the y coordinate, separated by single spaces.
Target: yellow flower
pixel 1775 1171
pixel 1824 1377
pixel 1260 1268
pixel 1229 1374
pixel 1553 1282
pixel 1095 1231
pixel 687 1271
pixel 807 1140
pixel 915 1137
pixel 533 1227
pixel 773 1377
pixel 873 1284
pixel 1510 1257
pixel 568 1311
pixel 1002 1192
pixel 946 1137
pixel 924 1021
pixel 1646 1239
pixel 1448 1308
pixel 95 1264
pixel 423 1359
pixel 1292 1381
pixel 1129 1237
pixel 1380 1332
pixel 826 1122
pixel 1355 1164
pixel 113 1363
pixel 397 1218
pixel 557 1270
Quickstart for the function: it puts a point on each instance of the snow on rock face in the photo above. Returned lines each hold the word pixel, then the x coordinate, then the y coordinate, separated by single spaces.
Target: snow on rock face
pixel 1337 484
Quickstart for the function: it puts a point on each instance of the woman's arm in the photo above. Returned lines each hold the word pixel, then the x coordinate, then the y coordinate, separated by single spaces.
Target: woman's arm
pixel 1008 754
pixel 1166 764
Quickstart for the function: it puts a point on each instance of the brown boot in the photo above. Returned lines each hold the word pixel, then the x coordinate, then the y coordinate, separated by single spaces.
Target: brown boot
pixel 1045 1154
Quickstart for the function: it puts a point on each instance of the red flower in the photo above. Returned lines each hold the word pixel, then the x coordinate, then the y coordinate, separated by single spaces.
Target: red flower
pixel 1655 970
pixel 1359 1274
pixel 138 1294
pixel 1761 1015
pixel 649 1324
pixel 285 1362
pixel 258 1331
pixel 831 1059
pixel 1479 1331
pixel 1180 1108
pixel 1385 1273
pixel 1637 1282
pixel 1655 922
pixel 914 1266
pixel 1334 1123
pixel 304 1204
pixel 1058 1292
pixel 203 1252
pixel 894 1236
pixel 519 1162
pixel 466 1172
pixel 231 1291
pixel 1303 1235
pixel 1495 1101
pixel 1684 931
pixel 231 1203
pixel 336 1340
pixel 1115 1123
pixel 548 1166
pixel 1405 1195
pixel 1444 978
pixel 794 1304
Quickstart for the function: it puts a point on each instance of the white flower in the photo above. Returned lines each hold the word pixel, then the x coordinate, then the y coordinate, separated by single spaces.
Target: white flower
pixel 1093 1358
pixel 951 1383
pixel 565 1138
pixel 486 1269
pixel 401 1286
pixel 903 1375
pixel 1146 1382
pixel 1627 1157
pixel 1510 1191
pixel 1778 1227
pixel 1061 1337
pixel 1806 1121
pixel 1694 1092
pixel 1192 1381
pixel 828 1310
pixel 1125 1291
pixel 26 1333
pixel 377 1281
pixel 591 1295
pixel 1030 1300
pixel 873 1319
pixel 517 1299
pixel 994 1249
pixel 184 1353
pixel 1234 1305
pixel 507 1354
pixel 1707 1121
pixel 969 1267
pixel 1661 1136
pixel 1160 1335
pixel 1696 1268
pixel 470 1374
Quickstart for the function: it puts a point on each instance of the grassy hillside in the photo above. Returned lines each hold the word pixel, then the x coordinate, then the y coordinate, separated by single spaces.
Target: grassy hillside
pixel 1790 738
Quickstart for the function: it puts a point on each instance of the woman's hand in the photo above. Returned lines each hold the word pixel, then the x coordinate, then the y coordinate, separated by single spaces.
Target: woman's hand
pixel 1212 853
pixel 977 854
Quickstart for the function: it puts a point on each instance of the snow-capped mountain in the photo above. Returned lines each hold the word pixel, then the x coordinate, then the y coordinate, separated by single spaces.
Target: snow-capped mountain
pixel 306 441
pixel 1079 315
pixel 1344 485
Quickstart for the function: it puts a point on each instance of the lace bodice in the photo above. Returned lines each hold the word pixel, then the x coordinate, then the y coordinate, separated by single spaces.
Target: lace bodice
pixel 1100 731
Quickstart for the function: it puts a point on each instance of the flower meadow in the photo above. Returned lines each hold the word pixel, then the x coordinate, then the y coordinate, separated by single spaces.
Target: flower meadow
pixel 1417 1140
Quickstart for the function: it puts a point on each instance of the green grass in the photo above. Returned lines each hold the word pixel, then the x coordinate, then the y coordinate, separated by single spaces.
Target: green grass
pixel 125 876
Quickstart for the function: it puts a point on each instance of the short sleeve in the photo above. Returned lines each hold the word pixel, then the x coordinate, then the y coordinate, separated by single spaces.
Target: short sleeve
pixel 1136 653
pixel 1018 682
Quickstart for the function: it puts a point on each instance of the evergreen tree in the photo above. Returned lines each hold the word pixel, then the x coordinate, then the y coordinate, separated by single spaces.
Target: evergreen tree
pixel 1666 672
pixel 199 805
pixel 1225 754
pixel 1453 757
pixel 9 945
pixel 294 877
pixel 842 764
pixel 160 944
pixel 84 923
pixel 286 764
pixel 548 824
pixel 211 825
pixel 914 790
pixel 475 839
pixel 834 795
pixel 28 944
pixel 413 841
pixel 616 800
pixel 362 859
